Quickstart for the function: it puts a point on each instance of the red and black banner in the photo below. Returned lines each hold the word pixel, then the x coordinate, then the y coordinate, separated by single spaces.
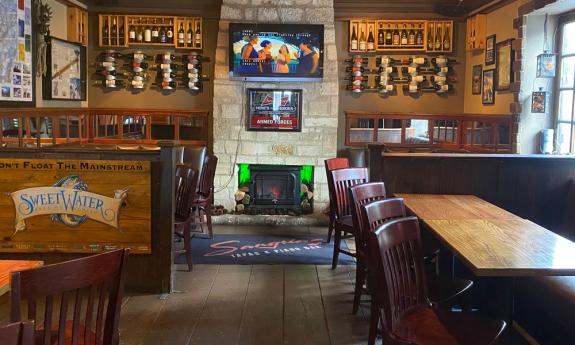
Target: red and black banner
pixel 274 110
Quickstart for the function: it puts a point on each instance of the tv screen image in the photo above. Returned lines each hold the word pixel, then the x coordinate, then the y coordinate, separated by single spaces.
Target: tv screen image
pixel 276 52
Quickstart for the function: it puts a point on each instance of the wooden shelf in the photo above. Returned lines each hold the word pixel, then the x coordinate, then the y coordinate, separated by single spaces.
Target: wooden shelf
pixel 77 25
pixel 475 38
pixel 362 29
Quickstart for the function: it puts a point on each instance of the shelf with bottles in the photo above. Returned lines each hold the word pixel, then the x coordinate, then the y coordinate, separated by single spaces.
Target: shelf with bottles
pixel 475 39
pixel 77 25
pixel 404 35
pixel 439 37
pixel 111 29
pixel 189 34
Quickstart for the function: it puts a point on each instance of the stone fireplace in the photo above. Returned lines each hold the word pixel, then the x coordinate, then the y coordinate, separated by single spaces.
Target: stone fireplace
pixel 318 138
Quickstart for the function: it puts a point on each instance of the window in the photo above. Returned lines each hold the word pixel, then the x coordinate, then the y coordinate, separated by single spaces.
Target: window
pixel 566 89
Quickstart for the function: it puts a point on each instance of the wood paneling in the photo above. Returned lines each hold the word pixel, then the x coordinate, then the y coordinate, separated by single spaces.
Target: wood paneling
pixel 9 266
pixel 346 7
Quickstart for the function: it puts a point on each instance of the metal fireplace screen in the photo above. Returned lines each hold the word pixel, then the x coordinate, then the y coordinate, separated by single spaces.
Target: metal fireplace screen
pixel 275 186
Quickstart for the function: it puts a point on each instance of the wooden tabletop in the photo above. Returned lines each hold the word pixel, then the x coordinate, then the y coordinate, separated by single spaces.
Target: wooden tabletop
pixel 451 207
pixel 491 241
pixel 9 266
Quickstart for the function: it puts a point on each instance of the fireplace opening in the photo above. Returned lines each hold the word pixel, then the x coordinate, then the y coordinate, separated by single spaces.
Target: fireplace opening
pixel 274 189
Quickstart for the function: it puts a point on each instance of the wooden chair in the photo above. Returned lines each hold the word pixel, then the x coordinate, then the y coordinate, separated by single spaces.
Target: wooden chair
pixel 19 333
pixel 333 164
pixel 400 302
pixel 442 290
pixel 343 179
pixel 186 182
pixel 89 290
pixel 202 203
pixel 361 195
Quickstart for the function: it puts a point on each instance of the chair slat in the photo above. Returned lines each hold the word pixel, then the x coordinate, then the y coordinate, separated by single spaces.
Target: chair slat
pixel 76 317
pixel 48 320
pixel 89 312
pixel 63 317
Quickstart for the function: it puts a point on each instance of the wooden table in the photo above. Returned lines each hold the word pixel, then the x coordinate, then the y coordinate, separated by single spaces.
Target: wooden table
pixel 9 266
pixel 491 241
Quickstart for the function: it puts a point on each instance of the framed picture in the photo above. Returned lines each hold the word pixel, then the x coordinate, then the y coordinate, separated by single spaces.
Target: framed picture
pixel 476 80
pixel 65 77
pixel 17 72
pixel 277 110
pixel 538 101
pixel 490 50
pixel 488 90
pixel 504 59
pixel 546 65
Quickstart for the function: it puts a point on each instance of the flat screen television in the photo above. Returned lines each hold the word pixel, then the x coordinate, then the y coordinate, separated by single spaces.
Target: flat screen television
pixel 276 52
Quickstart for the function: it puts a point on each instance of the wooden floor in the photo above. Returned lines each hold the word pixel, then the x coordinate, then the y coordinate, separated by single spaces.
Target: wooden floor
pixel 260 304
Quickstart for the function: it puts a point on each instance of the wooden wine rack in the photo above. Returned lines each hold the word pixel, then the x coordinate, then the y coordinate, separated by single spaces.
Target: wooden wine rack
pixel 77 25
pixel 140 22
pixel 427 29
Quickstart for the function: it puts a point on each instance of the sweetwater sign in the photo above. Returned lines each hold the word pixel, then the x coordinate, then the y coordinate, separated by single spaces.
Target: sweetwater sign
pixel 74 205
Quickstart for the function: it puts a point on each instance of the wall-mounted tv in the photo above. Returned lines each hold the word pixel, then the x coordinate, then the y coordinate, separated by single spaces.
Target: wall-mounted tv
pixel 276 52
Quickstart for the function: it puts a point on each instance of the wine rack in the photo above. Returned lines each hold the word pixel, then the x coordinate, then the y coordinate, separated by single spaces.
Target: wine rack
pixel 77 25
pixel 432 36
pixel 475 38
pixel 152 31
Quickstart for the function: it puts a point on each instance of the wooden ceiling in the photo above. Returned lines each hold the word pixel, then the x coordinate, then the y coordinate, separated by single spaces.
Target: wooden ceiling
pixel 343 8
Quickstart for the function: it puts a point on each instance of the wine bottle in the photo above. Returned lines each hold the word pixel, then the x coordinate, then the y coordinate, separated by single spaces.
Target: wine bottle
pixel 411 70
pixel 104 72
pixel 181 36
pixel 139 57
pixel 168 85
pixel 137 84
pixel 354 69
pixel 190 35
pixel 163 35
pixel 114 83
pixel 122 35
pixel 114 33
pixel 192 58
pixel 419 36
pixel 386 88
pixel 411 36
pixel 385 61
pixel 438 79
pixel 155 32
pixel 142 65
pixel 166 58
pixel 442 88
pixel 370 40
pixel 354 44
pixel 380 36
pixel 430 37
pixel 193 86
pixel 404 40
pixel 105 33
pixel 106 64
pixel 140 34
pixel 362 41
pixel 148 34
pixel 388 70
pixel 165 75
pixel 192 67
pixel 388 36
pixel 413 88
pixel 446 37
pixel 416 78
pixel 396 36
pixel 418 60
pixel 438 37
pixel 198 35
pixel 170 32
pixel 441 60
pixel 168 66
pixel 132 34
pixel 357 59
pixel 139 76
pixel 383 80
pixel 443 69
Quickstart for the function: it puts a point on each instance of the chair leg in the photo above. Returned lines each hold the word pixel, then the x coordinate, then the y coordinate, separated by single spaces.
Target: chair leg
pixel 359 280
pixel 188 246
pixel 336 244
pixel 373 322
pixel 208 211
pixel 331 226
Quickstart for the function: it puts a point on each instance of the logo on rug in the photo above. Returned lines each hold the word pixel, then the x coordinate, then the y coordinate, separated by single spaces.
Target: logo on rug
pixel 234 248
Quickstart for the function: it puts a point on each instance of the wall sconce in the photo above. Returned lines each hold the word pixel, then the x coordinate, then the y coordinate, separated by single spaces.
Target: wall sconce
pixel 546 65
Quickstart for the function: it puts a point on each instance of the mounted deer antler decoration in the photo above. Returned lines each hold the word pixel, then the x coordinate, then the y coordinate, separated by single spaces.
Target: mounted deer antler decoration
pixel 43 17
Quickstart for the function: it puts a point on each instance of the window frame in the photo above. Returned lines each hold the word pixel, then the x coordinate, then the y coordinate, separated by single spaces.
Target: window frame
pixel 563 20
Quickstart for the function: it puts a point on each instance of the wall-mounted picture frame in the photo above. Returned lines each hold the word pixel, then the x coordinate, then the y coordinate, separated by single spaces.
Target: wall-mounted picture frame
pixel 476 80
pixel 490 50
pixel 546 65
pixel 275 110
pixel 488 87
pixel 65 77
pixel 538 102
pixel 17 55
pixel 504 60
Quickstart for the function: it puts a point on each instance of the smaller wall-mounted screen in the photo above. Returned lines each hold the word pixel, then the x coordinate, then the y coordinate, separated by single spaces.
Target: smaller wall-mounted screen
pixel 276 52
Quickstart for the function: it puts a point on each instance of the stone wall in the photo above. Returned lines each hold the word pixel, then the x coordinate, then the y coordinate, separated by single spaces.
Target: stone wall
pixel 318 138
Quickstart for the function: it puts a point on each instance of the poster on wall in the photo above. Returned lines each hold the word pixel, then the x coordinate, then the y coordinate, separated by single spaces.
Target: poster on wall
pixel 16 53
pixel 276 110
pixel 75 206
pixel 66 75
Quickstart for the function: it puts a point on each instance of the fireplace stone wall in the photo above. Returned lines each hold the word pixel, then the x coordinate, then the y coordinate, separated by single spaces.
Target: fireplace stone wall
pixel 318 138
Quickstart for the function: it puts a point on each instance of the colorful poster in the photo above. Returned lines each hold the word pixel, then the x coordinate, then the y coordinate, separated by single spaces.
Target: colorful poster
pixel 65 71
pixel 274 110
pixel 16 52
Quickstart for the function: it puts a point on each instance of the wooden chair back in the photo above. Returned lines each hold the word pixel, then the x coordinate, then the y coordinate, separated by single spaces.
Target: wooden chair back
pixel 343 179
pixel 19 333
pixel 330 165
pixel 395 261
pixel 186 182
pixel 381 211
pixel 79 301
pixel 206 183
pixel 361 195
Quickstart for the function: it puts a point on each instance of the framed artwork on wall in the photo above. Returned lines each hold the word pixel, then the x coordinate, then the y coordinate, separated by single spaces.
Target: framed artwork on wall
pixel 490 50
pixel 476 80
pixel 546 65
pixel 65 77
pixel 276 110
pixel 488 90
pixel 17 72
pixel 504 59
pixel 538 102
